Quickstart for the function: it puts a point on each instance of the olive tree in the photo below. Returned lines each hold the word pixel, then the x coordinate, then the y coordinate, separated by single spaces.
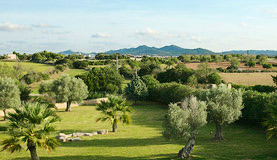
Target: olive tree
pixel 184 121
pixel 224 106
pixel 65 89
pixel 9 95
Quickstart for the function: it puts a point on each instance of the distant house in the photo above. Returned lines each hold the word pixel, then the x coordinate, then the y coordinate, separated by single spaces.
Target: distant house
pixel 11 56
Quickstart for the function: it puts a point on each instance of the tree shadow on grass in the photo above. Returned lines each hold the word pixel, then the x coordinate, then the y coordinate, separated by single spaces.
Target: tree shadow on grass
pixel 99 157
pixel 120 142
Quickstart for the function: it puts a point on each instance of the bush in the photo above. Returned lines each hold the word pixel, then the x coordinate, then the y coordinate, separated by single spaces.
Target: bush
pixel 267 66
pixel 80 64
pixel 102 81
pixel 171 92
pixel 60 68
pixel 32 77
pixel 214 78
pixel 126 72
pixel 179 74
pixel 255 104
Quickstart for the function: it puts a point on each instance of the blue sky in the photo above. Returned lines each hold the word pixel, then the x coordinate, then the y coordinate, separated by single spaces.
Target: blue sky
pixel 94 25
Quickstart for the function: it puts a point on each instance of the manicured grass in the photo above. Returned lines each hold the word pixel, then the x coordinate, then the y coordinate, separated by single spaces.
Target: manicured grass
pixel 74 72
pixel 249 78
pixel 143 139
pixel 38 67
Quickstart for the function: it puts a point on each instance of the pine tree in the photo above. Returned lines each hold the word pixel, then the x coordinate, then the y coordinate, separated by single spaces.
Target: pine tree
pixel 136 89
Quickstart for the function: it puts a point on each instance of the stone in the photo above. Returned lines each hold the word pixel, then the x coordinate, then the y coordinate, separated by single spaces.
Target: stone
pixel 62 134
pixel 102 132
pixel 76 139
pixel 94 133
pixel 63 139
pixel 88 134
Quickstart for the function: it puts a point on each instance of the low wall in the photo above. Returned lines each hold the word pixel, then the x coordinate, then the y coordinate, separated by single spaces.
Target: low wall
pixel 63 105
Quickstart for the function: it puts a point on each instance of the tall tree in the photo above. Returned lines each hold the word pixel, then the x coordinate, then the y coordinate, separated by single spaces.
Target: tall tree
pixel 136 89
pixel 66 89
pixel 274 79
pixel 184 121
pixel 224 106
pixel 31 124
pixel 9 95
pixel 271 121
pixel 114 110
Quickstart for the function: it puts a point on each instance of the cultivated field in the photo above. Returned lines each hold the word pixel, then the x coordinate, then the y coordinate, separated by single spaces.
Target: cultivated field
pixel 224 65
pixel 143 139
pixel 249 78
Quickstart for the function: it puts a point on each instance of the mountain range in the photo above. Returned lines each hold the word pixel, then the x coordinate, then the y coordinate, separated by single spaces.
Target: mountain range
pixel 172 50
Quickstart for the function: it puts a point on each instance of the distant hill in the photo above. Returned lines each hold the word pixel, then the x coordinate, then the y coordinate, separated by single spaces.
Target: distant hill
pixel 171 50
pixel 254 52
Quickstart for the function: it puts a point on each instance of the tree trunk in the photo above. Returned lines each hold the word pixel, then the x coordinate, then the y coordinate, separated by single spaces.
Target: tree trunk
pixel 185 152
pixel 5 114
pixel 68 108
pixel 219 133
pixel 33 150
pixel 115 126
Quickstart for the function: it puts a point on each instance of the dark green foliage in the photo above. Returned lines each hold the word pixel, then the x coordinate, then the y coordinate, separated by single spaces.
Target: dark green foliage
pixel 32 77
pixel 80 64
pixel 136 89
pixel 274 79
pixel 148 68
pixel 60 68
pixel 267 65
pixel 102 56
pixel 24 92
pixel 46 56
pixel 255 104
pixel 177 74
pixel 251 63
pixel 271 120
pixel 214 78
pixel 126 72
pixel 258 88
pixel 171 92
pixel 102 80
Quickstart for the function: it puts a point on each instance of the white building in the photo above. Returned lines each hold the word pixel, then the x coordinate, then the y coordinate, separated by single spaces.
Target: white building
pixel 11 56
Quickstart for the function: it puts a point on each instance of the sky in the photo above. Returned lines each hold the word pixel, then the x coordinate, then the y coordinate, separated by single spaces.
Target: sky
pixel 96 25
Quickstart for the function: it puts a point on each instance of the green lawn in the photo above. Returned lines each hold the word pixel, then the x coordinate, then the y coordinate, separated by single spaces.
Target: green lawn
pixel 38 67
pixel 143 139
pixel 74 72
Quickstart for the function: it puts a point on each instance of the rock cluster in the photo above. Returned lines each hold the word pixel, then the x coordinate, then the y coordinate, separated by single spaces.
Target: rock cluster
pixel 76 136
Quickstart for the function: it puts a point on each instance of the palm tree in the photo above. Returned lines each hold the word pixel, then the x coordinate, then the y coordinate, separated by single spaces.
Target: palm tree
pixel 114 110
pixel 271 121
pixel 31 124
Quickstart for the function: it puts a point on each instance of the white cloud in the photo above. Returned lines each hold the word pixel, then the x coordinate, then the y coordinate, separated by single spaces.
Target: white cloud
pixel 54 32
pixel 148 32
pixel 10 27
pixel 271 12
pixel 42 25
pixel 196 39
pixel 243 24
pixel 100 35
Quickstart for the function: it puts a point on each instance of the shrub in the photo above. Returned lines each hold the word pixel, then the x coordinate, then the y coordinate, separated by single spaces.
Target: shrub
pixel 102 80
pixel 80 64
pixel 267 66
pixel 126 72
pixel 214 78
pixel 171 92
